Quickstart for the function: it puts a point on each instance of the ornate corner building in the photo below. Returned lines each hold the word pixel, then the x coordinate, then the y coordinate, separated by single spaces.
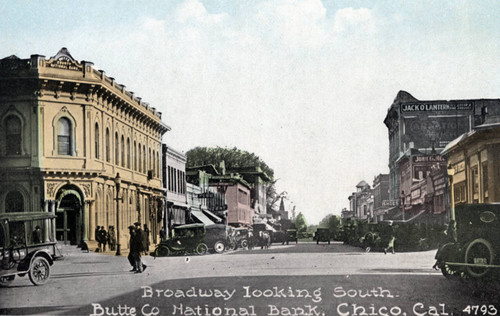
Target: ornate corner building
pixel 66 131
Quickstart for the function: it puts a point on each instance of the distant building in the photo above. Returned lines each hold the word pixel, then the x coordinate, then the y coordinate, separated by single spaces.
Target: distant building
pixel 174 185
pixel 381 202
pixel 428 126
pixel 361 201
pixel 259 182
pixel 423 188
pixel 207 204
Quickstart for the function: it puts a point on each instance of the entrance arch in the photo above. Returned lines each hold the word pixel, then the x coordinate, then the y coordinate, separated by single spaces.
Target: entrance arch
pixel 69 215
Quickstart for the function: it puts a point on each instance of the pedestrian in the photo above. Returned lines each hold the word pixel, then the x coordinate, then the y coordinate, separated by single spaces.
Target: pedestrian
pixel 111 238
pixel 163 235
pixel 131 255
pixel 37 235
pixel 103 235
pixel 145 240
pixel 390 238
pixel 137 247
pixel 450 238
pixel 98 238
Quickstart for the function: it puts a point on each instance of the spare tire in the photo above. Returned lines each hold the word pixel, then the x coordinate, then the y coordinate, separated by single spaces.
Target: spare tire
pixel 479 251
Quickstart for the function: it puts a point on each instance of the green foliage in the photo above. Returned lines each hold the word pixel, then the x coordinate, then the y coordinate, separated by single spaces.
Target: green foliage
pixel 233 158
pixel 301 224
pixel 333 222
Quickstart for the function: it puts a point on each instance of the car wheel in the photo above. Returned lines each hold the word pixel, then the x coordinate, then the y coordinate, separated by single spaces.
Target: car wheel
pixel 201 249
pixel 481 252
pixel 244 243
pixel 39 271
pixel 219 247
pixel 6 280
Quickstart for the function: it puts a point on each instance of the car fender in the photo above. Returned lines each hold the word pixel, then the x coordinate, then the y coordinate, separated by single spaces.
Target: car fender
pixel 26 264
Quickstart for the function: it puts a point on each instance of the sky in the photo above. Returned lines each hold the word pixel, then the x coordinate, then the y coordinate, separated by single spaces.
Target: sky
pixel 303 84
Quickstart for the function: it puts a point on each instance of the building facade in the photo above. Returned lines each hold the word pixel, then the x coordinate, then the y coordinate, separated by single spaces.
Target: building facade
pixel 361 201
pixel 70 136
pixel 428 126
pixel 381 202
pixel 175 188
pixel 474 165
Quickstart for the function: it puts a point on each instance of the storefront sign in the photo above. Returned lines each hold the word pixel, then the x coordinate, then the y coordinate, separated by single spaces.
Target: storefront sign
pixel 433 158
pixel 423 107
pixel 390 202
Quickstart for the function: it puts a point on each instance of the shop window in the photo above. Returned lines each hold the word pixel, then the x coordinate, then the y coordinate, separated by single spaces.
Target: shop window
pixel 459 193
pixel 64 136
pixel 14 202
pixel 475 183
pixel 13 139
pixel 485 181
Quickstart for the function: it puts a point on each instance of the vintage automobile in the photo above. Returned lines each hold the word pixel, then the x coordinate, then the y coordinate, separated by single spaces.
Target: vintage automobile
pixel 27 246
pixel 322 234
pixel 188 238
pixel 291 235
pixel 241 237
pixel 194 238
pixel 218 238
pixel 473 253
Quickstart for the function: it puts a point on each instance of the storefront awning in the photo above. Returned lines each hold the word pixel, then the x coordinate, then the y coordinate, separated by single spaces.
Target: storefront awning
pixel 202 217
pixel 212 215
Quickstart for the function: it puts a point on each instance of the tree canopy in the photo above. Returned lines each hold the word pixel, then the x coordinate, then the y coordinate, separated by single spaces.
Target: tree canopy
pixel 233 158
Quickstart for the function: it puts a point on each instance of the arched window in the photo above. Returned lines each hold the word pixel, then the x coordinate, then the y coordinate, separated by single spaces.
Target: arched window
pixel 14 202
pixel 123 151
pixel 128 152
pixel 135 156
pixel 96 140
pixel 149 161
pixel 144 159
pixel 108 148
pixel 140 157
pixel 64 136
pixel 117 150
pixel 13 133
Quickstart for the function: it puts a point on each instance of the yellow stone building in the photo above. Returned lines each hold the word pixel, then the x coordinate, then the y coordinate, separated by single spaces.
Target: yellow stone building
pixel 66 131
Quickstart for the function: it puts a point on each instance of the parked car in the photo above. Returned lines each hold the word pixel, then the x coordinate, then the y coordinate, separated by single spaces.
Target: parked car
pixel 291 235
pixel 27 246
pixel 218 238
pixel 241 237
pixel 322 234
pixel 471 250
pixel 188 238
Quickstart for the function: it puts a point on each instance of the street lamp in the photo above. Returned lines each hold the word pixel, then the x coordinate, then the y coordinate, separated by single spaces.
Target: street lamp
pixel 118 182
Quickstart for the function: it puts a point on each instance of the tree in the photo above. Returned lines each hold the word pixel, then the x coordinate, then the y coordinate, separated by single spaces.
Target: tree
pixel 331 221
pixel 233 158
pixel 301 225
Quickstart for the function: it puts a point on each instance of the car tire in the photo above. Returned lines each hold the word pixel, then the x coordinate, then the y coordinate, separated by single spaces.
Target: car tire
pixel 201 249
pixel 479 248
pixel 219 247
pixel 39 272
pixel 244 243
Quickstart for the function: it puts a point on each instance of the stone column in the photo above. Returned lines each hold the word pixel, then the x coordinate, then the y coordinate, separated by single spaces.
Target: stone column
pixel 47 228
pixel 52 207
pixel 91 225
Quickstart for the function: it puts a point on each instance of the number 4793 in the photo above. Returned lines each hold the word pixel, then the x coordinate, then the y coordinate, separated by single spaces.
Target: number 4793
pixel 480 310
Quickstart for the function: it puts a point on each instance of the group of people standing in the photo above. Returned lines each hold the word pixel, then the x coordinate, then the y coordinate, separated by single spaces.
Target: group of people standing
pixel 139 243
pixel 104 238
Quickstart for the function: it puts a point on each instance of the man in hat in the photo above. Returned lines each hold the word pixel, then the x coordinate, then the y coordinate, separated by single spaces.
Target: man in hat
pixel 132 254
pixel 138 247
